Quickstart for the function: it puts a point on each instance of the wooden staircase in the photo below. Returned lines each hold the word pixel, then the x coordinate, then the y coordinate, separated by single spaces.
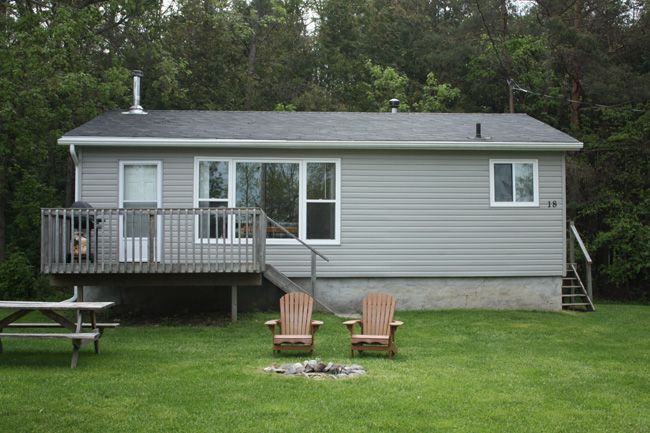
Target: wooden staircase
pixel 574 293
pixel 285 284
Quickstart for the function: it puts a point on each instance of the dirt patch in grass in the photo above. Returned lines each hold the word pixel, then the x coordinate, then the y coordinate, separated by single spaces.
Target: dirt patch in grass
pixel 150 319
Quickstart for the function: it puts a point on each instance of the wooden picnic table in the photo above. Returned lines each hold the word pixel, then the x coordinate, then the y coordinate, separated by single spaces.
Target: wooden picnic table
pixel 80 333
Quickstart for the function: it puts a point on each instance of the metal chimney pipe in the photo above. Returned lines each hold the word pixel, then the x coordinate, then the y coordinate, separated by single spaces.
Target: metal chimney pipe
pixel 394 105
pixel 478 135
pixel 136 108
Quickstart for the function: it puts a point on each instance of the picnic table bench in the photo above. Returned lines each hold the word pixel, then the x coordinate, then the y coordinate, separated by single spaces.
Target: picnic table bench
pixel 81 333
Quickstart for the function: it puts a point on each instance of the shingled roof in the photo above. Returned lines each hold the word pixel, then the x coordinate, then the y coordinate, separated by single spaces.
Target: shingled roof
pixel 205 127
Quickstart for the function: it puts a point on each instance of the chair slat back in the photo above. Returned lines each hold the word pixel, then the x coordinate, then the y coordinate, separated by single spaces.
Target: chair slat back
pixel 378 310
pixel 295 313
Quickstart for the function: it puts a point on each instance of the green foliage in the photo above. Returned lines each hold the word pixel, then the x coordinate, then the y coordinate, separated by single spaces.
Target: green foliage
pixel 57 70
pixel 627 240
pixel 437 98
pixel 284 107
pixel 613 203
pixel 16 277
pixel 386 84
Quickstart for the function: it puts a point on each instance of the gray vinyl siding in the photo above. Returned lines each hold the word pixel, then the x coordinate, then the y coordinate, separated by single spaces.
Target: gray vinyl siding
pixel 403 213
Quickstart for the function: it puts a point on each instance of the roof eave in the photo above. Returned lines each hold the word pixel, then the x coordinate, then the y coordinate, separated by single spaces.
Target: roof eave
pixel 318 144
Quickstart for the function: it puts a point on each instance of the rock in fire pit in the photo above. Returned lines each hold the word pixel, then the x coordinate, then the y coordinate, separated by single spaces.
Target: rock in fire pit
pixel 317 369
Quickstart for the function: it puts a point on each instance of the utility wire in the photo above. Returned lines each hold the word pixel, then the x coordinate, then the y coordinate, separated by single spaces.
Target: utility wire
pixel 514 86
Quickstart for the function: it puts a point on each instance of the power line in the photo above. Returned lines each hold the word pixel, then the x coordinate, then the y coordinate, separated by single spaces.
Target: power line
pixel 514 86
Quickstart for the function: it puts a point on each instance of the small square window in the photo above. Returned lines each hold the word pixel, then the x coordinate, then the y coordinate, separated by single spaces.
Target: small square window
pixel 514 183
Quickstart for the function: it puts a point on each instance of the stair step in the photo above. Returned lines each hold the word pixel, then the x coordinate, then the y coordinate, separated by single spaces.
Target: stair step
pixel 574 295
pixel 572 287
pixel 576 304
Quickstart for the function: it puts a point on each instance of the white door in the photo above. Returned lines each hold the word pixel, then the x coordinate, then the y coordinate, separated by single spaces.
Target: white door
pixel 140 188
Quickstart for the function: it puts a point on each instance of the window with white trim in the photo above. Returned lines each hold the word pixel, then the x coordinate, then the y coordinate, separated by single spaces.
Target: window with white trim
pixel 212 187
pixel 514 183
pixel 302 195
pixel 321 200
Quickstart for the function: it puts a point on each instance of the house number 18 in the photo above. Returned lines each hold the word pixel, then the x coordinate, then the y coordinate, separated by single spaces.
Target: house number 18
pixel 552 203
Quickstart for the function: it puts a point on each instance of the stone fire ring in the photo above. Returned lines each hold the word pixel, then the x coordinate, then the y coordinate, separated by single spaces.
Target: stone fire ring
pixel 317 369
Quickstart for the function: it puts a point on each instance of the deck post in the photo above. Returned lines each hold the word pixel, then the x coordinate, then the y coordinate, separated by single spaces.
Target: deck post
pixel 44 241
pixel 151 255
pixel 589 282
pixel 233 305
pixel 259 239
pixel 313 275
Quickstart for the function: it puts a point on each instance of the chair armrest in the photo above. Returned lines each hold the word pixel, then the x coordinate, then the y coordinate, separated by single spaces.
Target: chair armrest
pixel 393 327
pixel 314 326
pixel 350 324
pixel 272 324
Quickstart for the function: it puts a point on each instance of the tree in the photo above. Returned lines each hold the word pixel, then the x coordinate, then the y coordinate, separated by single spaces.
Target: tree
pixel 587 40
pixel 57 71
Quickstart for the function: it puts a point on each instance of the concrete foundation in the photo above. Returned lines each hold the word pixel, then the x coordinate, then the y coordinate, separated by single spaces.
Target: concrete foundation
pixel 344 295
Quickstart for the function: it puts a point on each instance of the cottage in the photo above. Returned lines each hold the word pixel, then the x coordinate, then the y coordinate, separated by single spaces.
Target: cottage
pixel 440 210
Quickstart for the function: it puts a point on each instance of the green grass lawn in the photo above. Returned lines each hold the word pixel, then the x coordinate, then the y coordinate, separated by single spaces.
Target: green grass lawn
pixel 467 371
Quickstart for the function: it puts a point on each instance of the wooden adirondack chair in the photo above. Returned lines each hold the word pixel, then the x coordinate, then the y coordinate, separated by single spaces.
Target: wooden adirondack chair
pixel 377 325
pixel 296 329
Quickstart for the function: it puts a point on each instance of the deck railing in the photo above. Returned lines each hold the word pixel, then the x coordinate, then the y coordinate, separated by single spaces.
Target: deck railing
pixel 187 240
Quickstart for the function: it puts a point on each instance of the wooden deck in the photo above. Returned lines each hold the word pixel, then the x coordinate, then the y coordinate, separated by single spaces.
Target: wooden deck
pixel 95 246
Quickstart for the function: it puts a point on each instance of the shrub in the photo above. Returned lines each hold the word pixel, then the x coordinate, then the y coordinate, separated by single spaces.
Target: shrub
pixel 16 277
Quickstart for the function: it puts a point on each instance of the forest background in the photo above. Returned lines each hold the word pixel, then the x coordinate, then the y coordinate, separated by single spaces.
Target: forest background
pixel 582 66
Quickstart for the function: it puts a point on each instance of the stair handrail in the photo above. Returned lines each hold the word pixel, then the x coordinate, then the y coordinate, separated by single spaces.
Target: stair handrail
pixel 314 253
pixel 575 237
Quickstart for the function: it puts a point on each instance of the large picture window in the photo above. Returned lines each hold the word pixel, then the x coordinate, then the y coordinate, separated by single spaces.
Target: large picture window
pixel 513 183
pixel 300 195
pixel 273 187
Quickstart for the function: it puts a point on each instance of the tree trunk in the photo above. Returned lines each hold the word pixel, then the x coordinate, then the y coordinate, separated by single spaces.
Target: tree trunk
pixel 3 206
pixel 256 12
pixel 576 74
pixel 250 75
pixel 70 181
pixel 3 14
pixel 508 58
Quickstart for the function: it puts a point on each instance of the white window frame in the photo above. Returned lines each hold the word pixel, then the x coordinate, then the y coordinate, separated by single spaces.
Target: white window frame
pixel 304 201
pixel 197 199
pixel 302 193
pixel 514 203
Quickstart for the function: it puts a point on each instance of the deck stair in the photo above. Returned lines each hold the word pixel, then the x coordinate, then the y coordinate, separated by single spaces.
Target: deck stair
pixel 285 284
pixel 574 293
